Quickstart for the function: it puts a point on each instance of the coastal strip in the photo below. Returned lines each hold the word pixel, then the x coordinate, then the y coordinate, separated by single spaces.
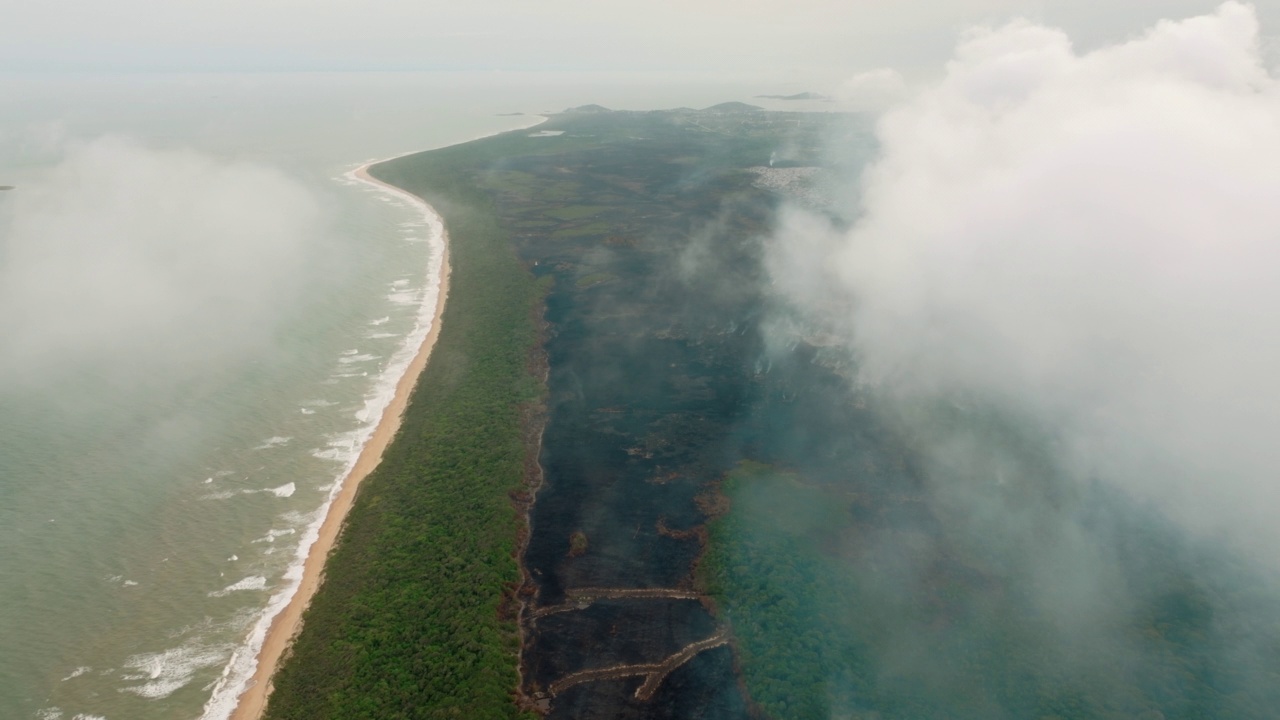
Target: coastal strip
pixel 247 679
pixel 418 606
pixel 245 698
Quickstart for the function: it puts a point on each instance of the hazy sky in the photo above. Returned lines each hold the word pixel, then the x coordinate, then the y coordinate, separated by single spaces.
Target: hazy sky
pixel 789 39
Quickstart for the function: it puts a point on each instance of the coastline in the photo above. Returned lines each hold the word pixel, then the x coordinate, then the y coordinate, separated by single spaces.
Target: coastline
pixel 251 702
pixel 243 695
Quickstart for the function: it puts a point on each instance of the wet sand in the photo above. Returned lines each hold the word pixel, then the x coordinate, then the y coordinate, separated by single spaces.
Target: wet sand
pixel 288 623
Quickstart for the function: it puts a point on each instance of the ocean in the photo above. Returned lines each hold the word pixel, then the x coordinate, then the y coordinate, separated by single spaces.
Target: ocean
pixel 202 314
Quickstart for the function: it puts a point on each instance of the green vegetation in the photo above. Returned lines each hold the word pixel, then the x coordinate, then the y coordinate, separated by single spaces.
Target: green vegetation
pixel 595 278
pixel 416 615
pixel 587 230
pixel 578 544
pixel 771 586
pixel 410 622
pixel 870 579
pixel 574 212
pixel 830 622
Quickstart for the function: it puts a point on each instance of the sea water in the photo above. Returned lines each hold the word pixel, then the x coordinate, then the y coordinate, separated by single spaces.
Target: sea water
pixel 151 523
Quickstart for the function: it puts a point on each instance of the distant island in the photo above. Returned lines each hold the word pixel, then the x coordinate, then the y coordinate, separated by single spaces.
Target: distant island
pixel 722 108
pixel 5 187
pixel 797 96
pixel 510 114
pixel 593 109
pixel 734 107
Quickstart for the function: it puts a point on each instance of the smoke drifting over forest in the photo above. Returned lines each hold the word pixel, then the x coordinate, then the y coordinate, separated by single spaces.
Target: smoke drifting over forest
pixel 1086 243
pixel 134 260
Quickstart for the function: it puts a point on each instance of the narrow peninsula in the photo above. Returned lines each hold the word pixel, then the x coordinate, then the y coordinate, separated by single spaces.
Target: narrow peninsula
pixel 633 482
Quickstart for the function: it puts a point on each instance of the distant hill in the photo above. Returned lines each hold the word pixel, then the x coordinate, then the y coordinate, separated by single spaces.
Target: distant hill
pixel 5 187
pixel 734 107
pixel 587 109
pixel 797 96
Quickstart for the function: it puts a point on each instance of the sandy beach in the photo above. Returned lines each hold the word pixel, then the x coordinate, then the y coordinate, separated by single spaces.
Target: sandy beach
pixel 286 625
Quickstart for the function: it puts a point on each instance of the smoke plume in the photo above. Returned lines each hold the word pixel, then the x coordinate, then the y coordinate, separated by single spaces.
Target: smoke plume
pixel 1089 241
pixel 142 262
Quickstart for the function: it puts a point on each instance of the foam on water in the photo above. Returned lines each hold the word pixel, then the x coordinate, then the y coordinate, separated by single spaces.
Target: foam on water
pixel 282 491
pixel 405 297
pixel 271 535
pixel 329 453
pixel 224 495
pixel 380 335
pixel 254 582
pixel 339 376
pixel 344 449
pixel 77 673
pixel 381 321
pixel 169 670
pixel 311 406
pixel 362 357
pixel 272 442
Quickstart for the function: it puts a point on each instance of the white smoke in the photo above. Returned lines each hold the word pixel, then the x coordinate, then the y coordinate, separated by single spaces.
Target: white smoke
pixel 1089 239
pixel 140 261
pixel 872 91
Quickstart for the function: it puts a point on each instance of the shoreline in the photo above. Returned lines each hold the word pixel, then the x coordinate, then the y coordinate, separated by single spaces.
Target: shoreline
pixel 287 623
pixel 250 699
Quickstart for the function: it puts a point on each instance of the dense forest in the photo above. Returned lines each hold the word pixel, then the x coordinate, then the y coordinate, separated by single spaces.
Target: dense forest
pixel 415 617
pixel 844 606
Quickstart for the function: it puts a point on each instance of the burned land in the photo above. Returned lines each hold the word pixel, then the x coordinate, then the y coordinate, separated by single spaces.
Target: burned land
pixel 701 512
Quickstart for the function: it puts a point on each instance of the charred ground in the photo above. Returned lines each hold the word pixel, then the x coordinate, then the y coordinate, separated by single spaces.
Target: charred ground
pixel 715 520
pixel 650 224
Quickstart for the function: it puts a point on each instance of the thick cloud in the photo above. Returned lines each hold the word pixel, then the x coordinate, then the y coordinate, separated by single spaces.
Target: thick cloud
pixel 872 91
pixel 144 262
pixel 1090 240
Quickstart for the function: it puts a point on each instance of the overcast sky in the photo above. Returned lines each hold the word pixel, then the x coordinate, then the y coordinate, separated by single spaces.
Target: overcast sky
pixel 787 39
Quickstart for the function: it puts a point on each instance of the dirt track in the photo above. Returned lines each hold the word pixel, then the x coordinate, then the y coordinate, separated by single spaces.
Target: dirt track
pixel 654 673
pixel 584 597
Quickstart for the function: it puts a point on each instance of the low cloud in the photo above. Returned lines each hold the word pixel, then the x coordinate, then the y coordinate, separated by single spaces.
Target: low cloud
pixel 146 263
pixel 1088 241
pixel 872 91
